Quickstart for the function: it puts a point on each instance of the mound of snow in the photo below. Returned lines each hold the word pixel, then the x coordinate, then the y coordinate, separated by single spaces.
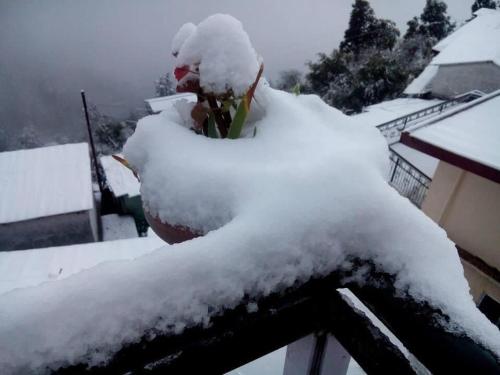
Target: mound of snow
pixel 295 201
pixel 222 51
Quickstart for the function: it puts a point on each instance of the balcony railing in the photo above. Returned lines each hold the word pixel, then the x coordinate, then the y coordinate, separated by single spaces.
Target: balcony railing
pixel 392 129
pixel 408 180
pixel 238 335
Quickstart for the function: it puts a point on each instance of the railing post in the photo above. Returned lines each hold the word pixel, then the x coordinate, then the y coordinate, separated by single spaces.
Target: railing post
pixel 396 164
pixel 316 354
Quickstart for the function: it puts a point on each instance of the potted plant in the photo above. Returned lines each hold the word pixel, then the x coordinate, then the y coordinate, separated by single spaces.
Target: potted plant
pixel 223 95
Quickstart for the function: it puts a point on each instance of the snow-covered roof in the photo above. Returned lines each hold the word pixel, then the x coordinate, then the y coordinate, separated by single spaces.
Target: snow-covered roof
pixel 166 102
pixel 118 227
pixel 45 181
pixel 377 114
pixel 420 84
pixel 471 131
pixel 423 162
pixel 121 181
pixel 26 268
pixel 477 40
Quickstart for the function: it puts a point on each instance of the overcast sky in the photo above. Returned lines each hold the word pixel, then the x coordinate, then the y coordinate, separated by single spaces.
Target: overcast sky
pixel 115 49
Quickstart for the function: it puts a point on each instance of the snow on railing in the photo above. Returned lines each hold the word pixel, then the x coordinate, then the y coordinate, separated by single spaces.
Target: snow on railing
pixel 392 129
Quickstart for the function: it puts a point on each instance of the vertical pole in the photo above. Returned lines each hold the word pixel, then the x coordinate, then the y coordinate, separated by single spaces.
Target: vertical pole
pixel 394 170
pixel 92 147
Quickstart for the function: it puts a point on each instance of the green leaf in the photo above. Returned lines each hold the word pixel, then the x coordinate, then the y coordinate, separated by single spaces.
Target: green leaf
pixel 238 120
pixel 212 131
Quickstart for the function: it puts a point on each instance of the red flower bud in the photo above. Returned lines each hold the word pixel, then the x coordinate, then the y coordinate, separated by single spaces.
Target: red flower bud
pixel 180 72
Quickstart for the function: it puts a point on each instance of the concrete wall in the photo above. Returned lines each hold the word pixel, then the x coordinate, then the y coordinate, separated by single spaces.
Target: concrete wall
pixel 467 206
pixel 455 79
pixel 48 231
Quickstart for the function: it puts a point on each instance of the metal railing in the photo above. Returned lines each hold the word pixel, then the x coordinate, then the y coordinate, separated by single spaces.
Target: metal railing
pixel 408 180
pixel 392 129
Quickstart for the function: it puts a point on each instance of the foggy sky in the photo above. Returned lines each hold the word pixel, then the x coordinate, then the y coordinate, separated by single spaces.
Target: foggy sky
pixel 115 49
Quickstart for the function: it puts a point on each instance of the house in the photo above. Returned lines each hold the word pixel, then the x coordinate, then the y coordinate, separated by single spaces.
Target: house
pixel 46 197
pixel 468 59
pixel 464 196
pixel 156 105
pixel 124 189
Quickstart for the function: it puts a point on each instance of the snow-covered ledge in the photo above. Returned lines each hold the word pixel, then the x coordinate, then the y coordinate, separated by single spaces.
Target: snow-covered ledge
pixel 298 197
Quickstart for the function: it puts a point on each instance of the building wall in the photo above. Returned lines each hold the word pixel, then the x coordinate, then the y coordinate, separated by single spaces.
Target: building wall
pixel 467 206
pixel 48 231
pixel 455 79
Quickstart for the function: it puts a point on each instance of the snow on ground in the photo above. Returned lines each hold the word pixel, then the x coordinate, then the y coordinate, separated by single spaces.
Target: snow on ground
pixel 44 181
pixel 220 38
pixel 472 130
pixel 27 268
pixel 119 179
pixel 425 163
pixel 377 114
pixel 299 198
pixel 118 227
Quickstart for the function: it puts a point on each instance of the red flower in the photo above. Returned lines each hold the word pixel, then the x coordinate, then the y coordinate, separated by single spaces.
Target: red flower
pixel 181 71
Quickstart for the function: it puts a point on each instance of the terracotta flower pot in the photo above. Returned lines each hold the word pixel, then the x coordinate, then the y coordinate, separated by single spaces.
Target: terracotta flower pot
pixel 170 233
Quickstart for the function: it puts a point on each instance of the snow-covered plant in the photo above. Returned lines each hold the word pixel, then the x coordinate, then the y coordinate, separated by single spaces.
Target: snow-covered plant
pixel 216 61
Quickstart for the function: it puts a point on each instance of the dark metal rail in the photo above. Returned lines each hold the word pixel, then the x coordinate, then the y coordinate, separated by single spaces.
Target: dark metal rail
pixel 392 129
pixel 238 336
pixel 408 180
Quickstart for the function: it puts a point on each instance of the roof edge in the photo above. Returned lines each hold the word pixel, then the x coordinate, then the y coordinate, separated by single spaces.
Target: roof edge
pixel 452 158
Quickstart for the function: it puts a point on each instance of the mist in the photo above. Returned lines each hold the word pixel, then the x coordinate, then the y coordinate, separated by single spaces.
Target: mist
pixel 116 49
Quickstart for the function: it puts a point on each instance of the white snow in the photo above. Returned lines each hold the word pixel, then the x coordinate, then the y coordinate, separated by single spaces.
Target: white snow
pixel 164 103
pixel 421 84
pixel 389 110
pixel 182 35
pixel 224 53
pixel 425 163
pixel 121 181
pixel 472 130
pixel 476 41
pixel 118 227
pixel 293 202
pixel 45 181
pixel 27 268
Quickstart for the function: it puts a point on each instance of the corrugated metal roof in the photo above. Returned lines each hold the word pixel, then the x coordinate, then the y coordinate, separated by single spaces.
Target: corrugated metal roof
pixel 45 181
pixel 26 268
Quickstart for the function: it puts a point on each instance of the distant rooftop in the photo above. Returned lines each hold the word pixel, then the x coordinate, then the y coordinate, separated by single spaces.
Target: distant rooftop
pixel 471 132
pixel 377 114
pixel 121 181
pixel 165 102
pixel 45 181
pixel 477 40
pixel 26 268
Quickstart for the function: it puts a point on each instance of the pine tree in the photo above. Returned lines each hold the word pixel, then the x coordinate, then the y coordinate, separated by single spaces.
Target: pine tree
pixel 413 26
pixel 357 36
pixel 164 86
pixel 478 4
pixel 434 20
pixel 366 31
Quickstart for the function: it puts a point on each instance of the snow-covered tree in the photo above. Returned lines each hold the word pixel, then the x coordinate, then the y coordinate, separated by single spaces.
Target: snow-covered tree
pixel 289 79
pixel 164 86
pixel 478 4
pixel 412 30
pixel 366 31
pixel 434 20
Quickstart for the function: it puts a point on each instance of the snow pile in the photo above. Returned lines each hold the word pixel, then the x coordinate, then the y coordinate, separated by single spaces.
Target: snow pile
pixel 221 50
pixel 297 200
pixel 182 35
